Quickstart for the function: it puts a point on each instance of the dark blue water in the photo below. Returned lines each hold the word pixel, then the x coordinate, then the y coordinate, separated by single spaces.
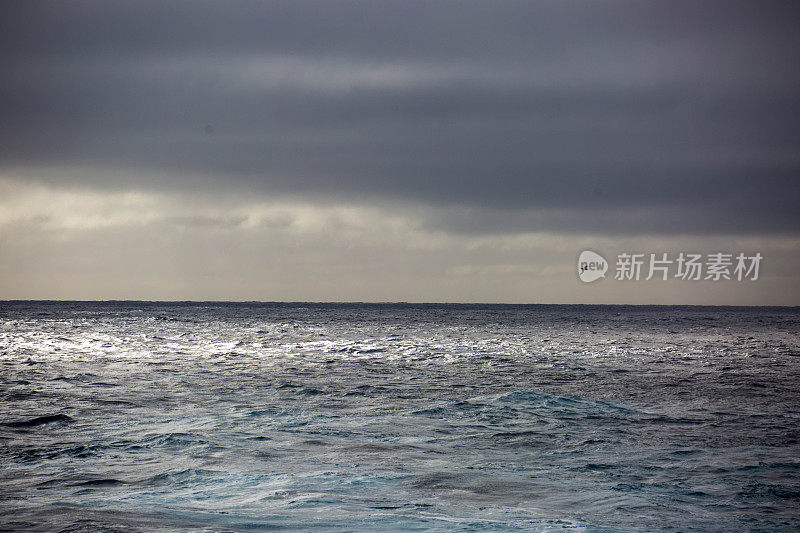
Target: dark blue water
pixel 233 417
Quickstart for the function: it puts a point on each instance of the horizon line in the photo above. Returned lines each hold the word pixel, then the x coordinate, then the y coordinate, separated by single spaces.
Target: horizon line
pixel 387 302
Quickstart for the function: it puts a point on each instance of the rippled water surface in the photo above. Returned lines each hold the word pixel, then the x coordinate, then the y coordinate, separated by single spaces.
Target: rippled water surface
pixel 232 417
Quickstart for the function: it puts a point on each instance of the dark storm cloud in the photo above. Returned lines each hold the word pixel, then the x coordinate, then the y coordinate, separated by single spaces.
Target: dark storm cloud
pixel 615 116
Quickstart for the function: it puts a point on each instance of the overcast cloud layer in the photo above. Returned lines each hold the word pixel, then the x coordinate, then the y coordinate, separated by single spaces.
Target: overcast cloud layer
pixel 456 120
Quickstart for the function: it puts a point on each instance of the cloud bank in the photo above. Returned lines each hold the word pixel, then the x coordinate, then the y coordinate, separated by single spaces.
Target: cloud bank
pixel 430 125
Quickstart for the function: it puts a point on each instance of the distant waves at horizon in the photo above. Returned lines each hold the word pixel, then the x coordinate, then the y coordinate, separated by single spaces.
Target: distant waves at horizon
pixel 148 416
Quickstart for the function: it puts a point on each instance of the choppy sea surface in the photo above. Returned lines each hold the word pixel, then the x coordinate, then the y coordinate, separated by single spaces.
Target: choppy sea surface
pixel 134 416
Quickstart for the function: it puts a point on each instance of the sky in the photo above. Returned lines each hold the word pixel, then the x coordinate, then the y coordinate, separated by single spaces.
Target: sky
pixel 432 151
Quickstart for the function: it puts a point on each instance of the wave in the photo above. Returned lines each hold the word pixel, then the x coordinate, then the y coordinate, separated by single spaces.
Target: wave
pixel 40 421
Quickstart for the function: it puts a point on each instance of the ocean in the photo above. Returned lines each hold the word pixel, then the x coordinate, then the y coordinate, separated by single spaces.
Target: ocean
pixel 140 416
